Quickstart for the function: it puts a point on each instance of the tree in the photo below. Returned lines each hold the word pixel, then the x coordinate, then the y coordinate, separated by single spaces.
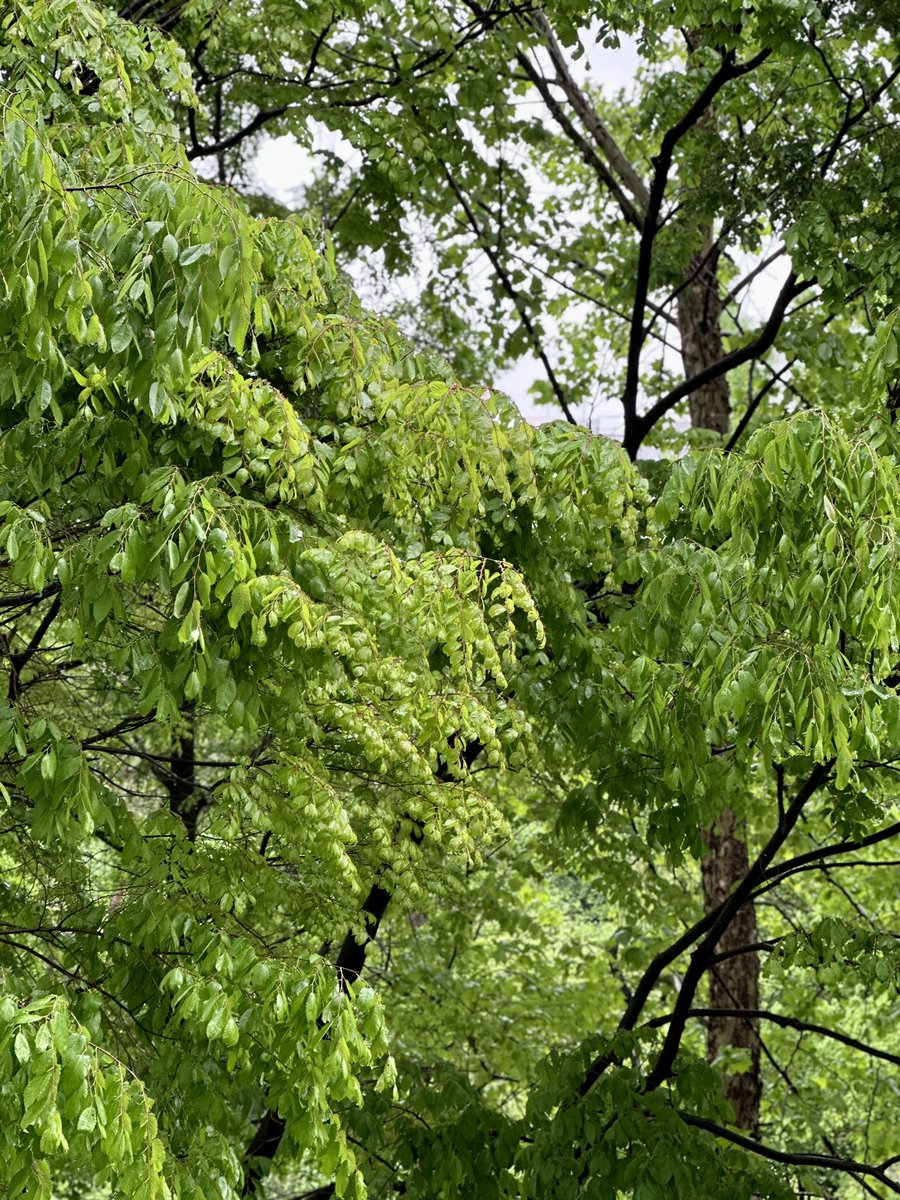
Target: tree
pixel 759 140
pixel 326 670
pixel 747 127
pixel 189 830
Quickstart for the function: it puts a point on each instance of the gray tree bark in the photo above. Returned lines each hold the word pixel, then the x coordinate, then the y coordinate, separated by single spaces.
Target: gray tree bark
pixel 734 982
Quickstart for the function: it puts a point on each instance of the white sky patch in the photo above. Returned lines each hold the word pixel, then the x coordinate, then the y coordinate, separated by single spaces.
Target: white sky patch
pixel 283 168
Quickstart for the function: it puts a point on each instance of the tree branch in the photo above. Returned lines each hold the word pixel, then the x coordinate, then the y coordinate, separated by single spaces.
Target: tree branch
pixel 18 662
pixel 705 952
pixel 641 426
pixel 589 116
pixel 507 284
pixel 27 599
pixel 852 119
pixel 802 862
pixel 349 964
pixel 262 118
pixel 430 62
pixel 762 1014
pixel 727 71
pixel 584 148
pixel 751 275
pixel 712 924
pixel 754 405
pixel 825 1161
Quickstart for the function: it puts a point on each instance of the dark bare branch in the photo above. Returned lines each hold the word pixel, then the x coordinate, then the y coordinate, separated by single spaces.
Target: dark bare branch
pixel 762 1014
pixel 18 662
pixel 704 955
pixel 827 1162
pixel 728 70
pixel 641 425
pixel 754 404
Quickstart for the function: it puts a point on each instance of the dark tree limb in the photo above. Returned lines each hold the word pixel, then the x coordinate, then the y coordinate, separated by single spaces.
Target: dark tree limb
pixel 640 426
pixel 18 662
pixel 124 726
pixel 432 60
pixel 705 952
pixel 262 1148
pixel 728 70
pixel 262 118
pixel 754 404
pixel 180 773
pixel 710 927
pixel 792 1023
pixel 763 1014
pixel 349 964
pixel 747 279
pixel 813 858
pixel 28 599
pixel 771 878
pixel 851 119
pixel 827 1162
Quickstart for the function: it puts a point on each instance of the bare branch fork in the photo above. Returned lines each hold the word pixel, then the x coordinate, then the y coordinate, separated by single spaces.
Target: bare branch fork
pixel 713 925
pixel 710 929
pixel 641 425
pixel 635 427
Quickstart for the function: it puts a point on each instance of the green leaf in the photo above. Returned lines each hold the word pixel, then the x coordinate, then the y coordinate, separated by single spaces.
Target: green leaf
pixel 169 248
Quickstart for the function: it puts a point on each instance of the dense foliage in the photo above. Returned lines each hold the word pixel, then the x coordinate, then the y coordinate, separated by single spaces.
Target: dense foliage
pixel 359 739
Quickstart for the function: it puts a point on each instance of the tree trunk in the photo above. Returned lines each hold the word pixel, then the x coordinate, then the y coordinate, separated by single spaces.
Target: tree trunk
pixel 734 983
pixel 700 327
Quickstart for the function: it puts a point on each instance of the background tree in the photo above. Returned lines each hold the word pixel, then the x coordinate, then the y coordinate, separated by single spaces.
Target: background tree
pixel 757 136
pixel 325 669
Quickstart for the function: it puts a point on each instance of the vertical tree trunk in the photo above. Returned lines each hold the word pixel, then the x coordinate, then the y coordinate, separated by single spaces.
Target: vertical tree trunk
pixel 734 983
pixel 700 326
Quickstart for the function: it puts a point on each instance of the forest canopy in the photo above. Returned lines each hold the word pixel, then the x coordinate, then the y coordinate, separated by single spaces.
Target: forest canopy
pixel 399 798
